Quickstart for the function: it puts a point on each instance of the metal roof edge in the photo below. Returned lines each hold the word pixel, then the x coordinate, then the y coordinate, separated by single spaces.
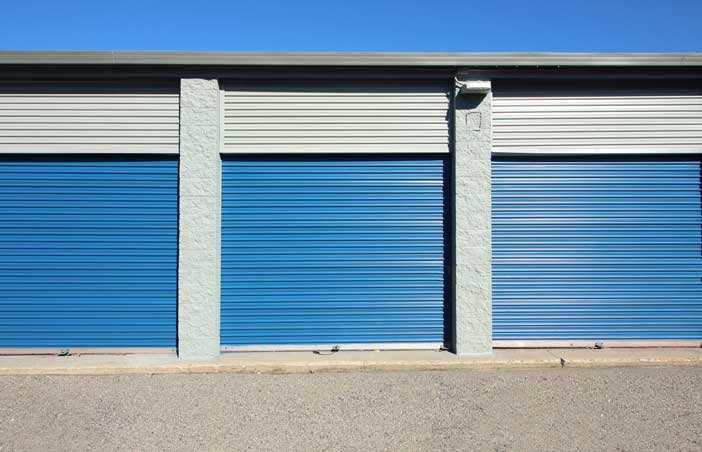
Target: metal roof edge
pixel 436 59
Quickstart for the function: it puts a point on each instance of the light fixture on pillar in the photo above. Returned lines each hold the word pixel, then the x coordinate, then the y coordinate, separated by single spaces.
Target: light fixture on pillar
pixel 473 86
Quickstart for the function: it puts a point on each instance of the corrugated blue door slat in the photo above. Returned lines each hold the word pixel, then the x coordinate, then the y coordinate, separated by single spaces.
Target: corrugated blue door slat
pixel 597 249
pixel 332 251
pixel 88 252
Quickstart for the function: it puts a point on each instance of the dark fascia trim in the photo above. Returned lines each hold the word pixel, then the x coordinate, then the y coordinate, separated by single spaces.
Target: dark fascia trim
pixel 412 59
pixel 576 73
pixel 122 72
pixel 144 73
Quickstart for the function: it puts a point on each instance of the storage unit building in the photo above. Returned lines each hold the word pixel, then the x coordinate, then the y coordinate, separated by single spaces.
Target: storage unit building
pixel 209 202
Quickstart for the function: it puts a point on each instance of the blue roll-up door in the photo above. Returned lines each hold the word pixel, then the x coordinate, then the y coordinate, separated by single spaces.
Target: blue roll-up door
pixel 333 251
pixel 88 252
pixel 597 249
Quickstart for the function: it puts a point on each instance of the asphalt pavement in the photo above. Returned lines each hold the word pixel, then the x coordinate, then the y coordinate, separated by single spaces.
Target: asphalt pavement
pixel 576 409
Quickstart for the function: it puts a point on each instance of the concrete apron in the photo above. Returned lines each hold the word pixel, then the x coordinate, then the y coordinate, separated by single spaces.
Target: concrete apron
pixel 307 362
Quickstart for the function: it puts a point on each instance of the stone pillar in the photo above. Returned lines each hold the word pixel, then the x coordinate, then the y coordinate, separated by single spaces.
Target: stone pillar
pixel 199 241
pixel 473 231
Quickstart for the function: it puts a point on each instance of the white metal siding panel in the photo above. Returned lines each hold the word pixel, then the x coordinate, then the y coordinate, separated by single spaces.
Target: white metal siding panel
pixel 88 117
pixel 592 119
pixel 333 117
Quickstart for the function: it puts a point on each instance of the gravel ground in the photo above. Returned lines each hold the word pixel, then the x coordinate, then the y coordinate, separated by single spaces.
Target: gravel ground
pixel 546 410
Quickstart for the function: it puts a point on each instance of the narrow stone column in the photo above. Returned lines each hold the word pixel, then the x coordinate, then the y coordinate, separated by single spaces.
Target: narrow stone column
pixel 199 241
pixel 473 231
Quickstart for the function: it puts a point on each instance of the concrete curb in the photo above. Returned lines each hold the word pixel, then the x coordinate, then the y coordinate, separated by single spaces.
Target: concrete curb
pixel 299 362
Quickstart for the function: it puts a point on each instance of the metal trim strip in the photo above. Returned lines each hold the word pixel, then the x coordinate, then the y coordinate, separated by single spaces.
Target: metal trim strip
pixel 537 151
pixel 329 347
pixel 87 351
pixel 486 59
pixel 596 344
pixel 75 150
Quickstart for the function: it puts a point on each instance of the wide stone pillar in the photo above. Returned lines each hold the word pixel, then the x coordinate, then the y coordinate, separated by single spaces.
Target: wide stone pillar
pixel 199 241
pixel 473 231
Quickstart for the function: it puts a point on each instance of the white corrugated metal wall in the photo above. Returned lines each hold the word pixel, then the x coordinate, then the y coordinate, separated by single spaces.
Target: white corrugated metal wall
pixel 88 117
pixel 596 118
pixel 335 117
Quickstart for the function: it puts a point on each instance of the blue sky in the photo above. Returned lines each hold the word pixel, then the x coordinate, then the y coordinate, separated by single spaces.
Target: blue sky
pixel 353 25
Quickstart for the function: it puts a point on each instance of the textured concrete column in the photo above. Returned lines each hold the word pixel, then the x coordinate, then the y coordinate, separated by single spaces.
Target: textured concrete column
pixel 473 273
pixel 199 222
